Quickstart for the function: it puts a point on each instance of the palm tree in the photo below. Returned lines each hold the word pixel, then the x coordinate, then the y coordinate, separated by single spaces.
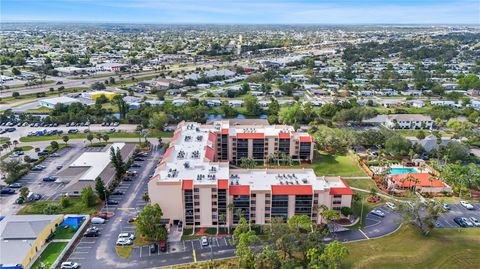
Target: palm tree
pixel 323 208
pixel 221 218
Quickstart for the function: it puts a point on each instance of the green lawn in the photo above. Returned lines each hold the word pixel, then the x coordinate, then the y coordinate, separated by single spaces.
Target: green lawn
pixel 42 109
pixel 76 207
pixel 407 248
pixel 366 184
pixel 34 95
pixel 336 165
pixel 24 148
pixel 49 255
pixel 84 136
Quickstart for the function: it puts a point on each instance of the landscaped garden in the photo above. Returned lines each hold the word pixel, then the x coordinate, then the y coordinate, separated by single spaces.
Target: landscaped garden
pixel 49 255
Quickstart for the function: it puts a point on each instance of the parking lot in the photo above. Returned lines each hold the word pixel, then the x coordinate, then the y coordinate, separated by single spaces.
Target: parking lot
pixel 456 210
pixel 34 179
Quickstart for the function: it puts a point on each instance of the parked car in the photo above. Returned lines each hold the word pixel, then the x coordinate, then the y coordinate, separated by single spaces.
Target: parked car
pixel 475 221
pixel 91 232
pixel 98 220
pixel 130 236
pixel 69 265
pixel 138 159
pixel 33 197
pixel 123 242
pixel 136 165
pixel 446 206
pixel 204 241
pixel 15 185
pixel 117 192
pixel 111 202
pixel 378 212
pixel 467 205
pixel 7 191
pixel 163 246
pixel 38 168
pixel 153 248
pixel 49 179
pixel 391 205
pixel 463 222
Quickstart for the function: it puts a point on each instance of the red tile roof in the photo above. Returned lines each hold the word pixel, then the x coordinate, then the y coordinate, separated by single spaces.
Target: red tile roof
pixel 250 135
pixel 187 184
pixel 422 178
pixel 176 134
pixel 292 190
pixel 341 191
pixel 306 138
pixel 212 137
pixel 284 135
pixel 222 184
pixel 239 190
pixel 209 153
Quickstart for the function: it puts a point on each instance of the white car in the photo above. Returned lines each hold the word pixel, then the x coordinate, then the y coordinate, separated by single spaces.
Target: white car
pixel 124 242
pixel 69 265
pixel 378 212
pixel 204 241
pixel 97 220
pixel 475 221
pixel 391 205
pixel 130 236
pixel 467 205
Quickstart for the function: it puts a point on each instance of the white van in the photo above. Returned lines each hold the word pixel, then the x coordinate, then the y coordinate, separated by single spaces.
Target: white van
pixel 97 220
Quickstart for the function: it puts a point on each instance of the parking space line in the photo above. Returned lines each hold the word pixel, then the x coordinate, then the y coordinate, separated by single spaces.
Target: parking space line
pixel 184 248
pixel 364 234
pixel 226 243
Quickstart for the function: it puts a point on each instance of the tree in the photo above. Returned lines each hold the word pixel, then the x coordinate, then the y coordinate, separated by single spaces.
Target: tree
pixel 16 72
pixel 247 163
pixel 158 121
pixel 268 258
pixel 243 240
pixel 146 197
pixel 346 211
pixel 454 151
pixel 99 136
pixel 333 255
pixel 397 145
pixel 13 169
pixel 65 139
pixel 90 137
pixel 106 137
pixel 100 189
pixel 54 145
pixel 51 209
pixel 251 104
pixel 88 197
pixel 24 191
pixel 118 163
pixel 420 135
pixel 65 201
pixel 149 223
pixel 299 222
pixel 422 214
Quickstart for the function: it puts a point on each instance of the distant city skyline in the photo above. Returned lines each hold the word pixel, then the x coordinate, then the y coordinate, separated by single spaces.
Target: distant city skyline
pixel 244 12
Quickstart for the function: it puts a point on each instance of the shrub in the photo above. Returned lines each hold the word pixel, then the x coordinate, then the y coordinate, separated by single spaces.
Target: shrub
pixel 65 201
pixel 51 209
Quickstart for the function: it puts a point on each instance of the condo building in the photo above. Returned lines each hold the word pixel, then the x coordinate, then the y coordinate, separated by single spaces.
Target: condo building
pixel 195 184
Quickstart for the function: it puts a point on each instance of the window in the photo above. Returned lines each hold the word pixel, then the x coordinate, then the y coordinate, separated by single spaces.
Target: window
pixel 196 196
pixel 337 202
pixel 197 203
pixel 214 203
pixel 197 210
pixel 214 190
pixel 267 208
pixel 337 196
pixel 267 195
pixel 253 195
pixel 253 202
pixel 196 189
pixel 254 208
pixel 214 196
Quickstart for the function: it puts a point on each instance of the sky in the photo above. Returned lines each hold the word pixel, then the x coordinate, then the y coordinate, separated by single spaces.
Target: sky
pixel 245 11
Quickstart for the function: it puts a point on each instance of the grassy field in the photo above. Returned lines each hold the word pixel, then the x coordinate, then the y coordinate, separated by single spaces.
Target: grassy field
pixel 65 232
pixel 336 165
pixel 40 110
pixel 444 248
pixel 84 136
pixel 76 207
pixel 49 255
pixel 33 96
pixel 366 184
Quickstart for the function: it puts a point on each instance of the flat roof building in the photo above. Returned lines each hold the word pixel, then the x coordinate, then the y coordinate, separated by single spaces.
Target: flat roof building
pixel 22 236
pixel 90 165
pixel 194 182
pixel 51 102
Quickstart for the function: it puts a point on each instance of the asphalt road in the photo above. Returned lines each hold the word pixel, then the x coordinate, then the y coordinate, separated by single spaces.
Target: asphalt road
pixel 456 210
pixel 100 252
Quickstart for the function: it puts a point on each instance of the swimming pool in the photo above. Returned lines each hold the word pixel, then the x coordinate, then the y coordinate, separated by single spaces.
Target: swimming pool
pixel 405 170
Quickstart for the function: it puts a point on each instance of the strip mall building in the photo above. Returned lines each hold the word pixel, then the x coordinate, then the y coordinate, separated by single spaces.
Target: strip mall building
pixel 195 184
